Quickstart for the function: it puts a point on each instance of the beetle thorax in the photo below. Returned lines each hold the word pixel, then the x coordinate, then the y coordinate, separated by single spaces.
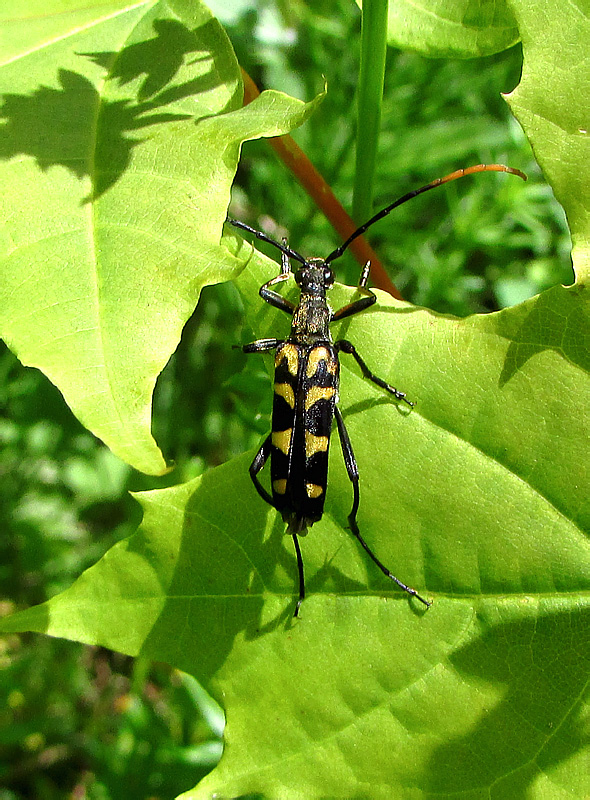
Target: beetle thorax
pixel 311 319
pixel 312 316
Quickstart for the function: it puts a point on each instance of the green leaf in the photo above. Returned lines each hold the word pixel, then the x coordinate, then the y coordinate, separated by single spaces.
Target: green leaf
pixel 551 103
pixel 119 145
pixel 452 28
pixel 475 498
pixel 34 24
pixel 478 498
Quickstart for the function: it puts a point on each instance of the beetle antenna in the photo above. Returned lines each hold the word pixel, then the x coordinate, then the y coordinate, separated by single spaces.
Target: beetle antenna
pixel 438 182
pixel 286 251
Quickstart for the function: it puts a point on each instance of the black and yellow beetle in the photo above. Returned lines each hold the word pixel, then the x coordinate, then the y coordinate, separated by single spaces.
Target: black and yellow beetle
pixel 306 382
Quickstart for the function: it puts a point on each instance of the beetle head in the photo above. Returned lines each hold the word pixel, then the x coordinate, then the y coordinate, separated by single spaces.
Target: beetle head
pixel 315 277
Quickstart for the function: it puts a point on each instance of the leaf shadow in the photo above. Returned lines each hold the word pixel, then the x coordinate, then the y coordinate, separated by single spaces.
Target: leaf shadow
pixel 224 570
pixel 233 575
pixel 538 722
pixel 558 319
pixel 159 59
pixel 73 126
pixel 373 402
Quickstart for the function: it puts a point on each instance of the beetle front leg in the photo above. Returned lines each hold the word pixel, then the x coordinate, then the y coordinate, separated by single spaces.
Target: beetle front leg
pixel 358 305
pixel 274 298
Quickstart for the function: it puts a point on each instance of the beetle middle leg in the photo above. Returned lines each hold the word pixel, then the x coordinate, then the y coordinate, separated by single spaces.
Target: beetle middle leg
pixel 344 346
pixel 353 474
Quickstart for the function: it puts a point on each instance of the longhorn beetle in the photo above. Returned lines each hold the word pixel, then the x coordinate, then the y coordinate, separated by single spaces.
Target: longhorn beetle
pixel 306 386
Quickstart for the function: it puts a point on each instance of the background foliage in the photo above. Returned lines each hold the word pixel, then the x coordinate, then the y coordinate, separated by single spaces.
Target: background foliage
pixel 96 726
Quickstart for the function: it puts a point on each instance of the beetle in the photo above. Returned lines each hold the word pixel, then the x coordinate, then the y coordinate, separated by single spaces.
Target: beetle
pixel 306 383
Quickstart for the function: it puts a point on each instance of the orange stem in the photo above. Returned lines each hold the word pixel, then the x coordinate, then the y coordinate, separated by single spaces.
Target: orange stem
pixel 321 193
pixel 317 188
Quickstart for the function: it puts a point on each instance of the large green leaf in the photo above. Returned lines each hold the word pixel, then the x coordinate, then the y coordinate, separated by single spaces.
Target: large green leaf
pixel 119 145
pixel 451 28
pixel 551 103
pixel 34 24
pixel 478 497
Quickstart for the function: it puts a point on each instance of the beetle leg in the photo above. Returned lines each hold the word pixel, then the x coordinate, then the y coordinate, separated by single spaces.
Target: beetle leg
pixel 347 347
pixel 301 576
pixel 260 345
pixel 257 464
pixel 259 461
pixel 353 474
pixel 274 298
pixel 358 305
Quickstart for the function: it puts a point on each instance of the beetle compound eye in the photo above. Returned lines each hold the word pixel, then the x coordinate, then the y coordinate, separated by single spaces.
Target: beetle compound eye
pixel 303 277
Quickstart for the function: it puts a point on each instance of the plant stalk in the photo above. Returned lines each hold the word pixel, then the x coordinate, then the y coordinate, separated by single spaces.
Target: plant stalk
pixel 370 99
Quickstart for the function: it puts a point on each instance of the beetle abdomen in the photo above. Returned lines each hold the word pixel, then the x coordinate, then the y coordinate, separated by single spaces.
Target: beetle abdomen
pixel 305 393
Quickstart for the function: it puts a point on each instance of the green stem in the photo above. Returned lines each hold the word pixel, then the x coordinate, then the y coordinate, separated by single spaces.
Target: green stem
pixel 370 98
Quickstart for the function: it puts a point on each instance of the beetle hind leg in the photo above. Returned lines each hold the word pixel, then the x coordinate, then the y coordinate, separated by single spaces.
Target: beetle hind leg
pixel 257 464
pixel 353 474
pixel 301 575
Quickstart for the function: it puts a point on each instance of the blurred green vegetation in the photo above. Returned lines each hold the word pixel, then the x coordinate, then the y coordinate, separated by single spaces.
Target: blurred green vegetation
pixel 476 245
pixel 81 722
